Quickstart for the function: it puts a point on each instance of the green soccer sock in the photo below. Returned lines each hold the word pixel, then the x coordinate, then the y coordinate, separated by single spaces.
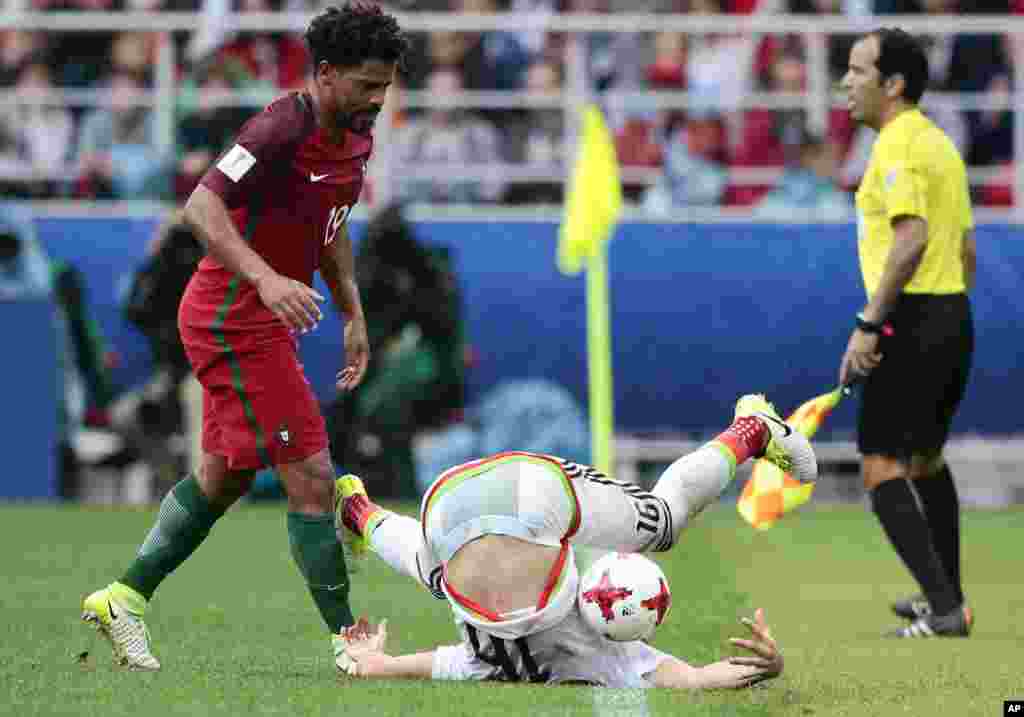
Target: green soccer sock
pixel 319 555
pixel 184 521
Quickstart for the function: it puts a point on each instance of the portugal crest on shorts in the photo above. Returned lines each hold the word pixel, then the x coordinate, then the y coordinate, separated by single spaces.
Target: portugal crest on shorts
pixel 284 435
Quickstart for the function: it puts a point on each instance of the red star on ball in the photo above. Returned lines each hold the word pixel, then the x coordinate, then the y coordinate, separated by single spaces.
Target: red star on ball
pixel 605 595
pixel 659 602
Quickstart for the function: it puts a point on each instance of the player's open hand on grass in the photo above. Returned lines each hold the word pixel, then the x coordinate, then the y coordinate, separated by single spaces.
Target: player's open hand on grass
pixel 365 644
pixel 357 353
pixel 292 302
pixel 765 654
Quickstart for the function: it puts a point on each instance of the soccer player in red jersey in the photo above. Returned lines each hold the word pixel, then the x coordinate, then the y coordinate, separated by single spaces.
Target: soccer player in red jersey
pixel 271 212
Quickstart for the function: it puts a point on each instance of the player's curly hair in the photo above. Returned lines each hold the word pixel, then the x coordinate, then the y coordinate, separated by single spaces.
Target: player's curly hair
pixel 352 34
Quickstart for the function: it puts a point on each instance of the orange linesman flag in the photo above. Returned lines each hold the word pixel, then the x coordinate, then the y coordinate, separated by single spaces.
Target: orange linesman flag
pixel 771 493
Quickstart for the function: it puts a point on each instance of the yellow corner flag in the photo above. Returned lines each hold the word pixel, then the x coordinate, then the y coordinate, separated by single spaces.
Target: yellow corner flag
pixel 592 208
pixel 594 199
pixel 770 493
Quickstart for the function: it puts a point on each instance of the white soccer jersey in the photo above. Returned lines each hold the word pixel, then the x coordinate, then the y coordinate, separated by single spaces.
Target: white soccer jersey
pixel 568 652
pixel 539 499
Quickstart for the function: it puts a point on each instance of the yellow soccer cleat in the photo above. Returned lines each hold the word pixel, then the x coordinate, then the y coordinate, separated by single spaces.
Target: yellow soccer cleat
pixel 787 447
pixel 124 629
pixel 350 508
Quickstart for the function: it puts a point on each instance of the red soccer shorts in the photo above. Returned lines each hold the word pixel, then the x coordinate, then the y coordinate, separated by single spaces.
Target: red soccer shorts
pixel 258 407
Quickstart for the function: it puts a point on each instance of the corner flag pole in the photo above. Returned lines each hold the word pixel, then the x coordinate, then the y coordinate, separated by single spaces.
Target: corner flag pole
pixel 592 209
pixel 599 361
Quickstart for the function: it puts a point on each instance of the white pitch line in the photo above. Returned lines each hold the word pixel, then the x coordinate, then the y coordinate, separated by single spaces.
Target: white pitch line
pixel 610 702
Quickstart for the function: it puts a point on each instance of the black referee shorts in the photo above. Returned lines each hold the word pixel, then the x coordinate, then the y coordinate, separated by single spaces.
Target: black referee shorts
pixel 908 402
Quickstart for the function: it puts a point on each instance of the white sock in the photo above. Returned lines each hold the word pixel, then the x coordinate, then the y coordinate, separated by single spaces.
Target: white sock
pixel 397 539
pixel 693 482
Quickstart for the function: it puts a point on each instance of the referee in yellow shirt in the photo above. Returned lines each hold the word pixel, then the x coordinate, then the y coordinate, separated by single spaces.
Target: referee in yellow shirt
pixel 913 341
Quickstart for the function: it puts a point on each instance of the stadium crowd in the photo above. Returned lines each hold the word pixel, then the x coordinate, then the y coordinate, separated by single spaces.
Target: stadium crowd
pixel 53 149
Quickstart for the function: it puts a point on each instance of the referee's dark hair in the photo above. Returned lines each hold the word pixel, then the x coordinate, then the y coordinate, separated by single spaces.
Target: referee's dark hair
pixel 900 53
pixel 357 32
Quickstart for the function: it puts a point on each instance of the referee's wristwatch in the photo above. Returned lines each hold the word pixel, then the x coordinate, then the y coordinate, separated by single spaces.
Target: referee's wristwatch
pixel 873 327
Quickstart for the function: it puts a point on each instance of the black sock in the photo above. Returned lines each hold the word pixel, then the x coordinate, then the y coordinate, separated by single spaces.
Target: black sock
pixel 942 509
pixel 896 508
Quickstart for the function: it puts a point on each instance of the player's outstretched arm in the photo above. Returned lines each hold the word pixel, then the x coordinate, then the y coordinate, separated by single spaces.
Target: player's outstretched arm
pixel 370 661
pixel 418 665
pixel 764 662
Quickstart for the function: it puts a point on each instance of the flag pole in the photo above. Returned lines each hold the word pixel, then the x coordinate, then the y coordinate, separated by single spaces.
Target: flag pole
pixel 592 208
pixel 599 360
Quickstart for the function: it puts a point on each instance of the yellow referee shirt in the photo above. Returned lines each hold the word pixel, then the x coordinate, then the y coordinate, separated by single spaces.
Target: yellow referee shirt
pixel 915 170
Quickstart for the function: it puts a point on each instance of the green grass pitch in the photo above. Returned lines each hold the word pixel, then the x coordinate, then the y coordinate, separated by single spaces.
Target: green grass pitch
pixel 238 634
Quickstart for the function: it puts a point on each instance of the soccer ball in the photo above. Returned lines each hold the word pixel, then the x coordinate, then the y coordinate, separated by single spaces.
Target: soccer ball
pixel 624 596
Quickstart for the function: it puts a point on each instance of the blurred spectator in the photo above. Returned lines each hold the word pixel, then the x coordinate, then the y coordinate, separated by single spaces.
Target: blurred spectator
pixel 614 59
pixel 694 174
pixel 940 48
pixel 81 55
pixel 638 143
pixel 278 59
pixel 159 417
pixel 416 378
pixel 207 127
pixel 24 268
pixel 991 55
pixel 808 186
pixel 159 283
pixel 87 386
pixel 788 74
pixel 445 50
pixel 992 130
pixel 533 17
pixel 973 60
pixel 428 50
pixel 16 46
pixel 538 139
pixel 134 53
pixel 999 191
pixel 448 135
pixel 492 60
pixel 181 38
pixel 965 63
pixel 718 66
pixel 668 69
pixel 838 45
pixel 116 153
pixel 771 136
pixel 35 135
pixel 485 60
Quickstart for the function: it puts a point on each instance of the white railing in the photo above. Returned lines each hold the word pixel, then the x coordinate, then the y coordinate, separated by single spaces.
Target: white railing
pixel 819 98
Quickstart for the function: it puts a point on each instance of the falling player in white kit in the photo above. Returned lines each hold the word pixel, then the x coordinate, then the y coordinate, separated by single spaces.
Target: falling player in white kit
pixel 495 538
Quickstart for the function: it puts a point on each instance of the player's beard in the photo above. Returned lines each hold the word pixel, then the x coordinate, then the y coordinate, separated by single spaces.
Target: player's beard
pixel 359 122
